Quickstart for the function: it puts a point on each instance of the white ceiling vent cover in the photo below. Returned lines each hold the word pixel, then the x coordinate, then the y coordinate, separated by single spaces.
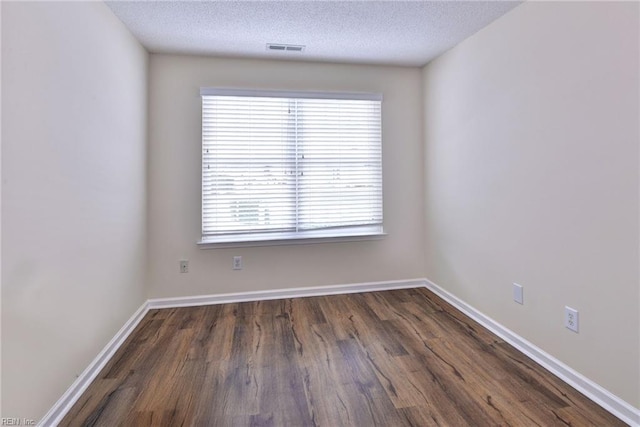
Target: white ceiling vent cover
pixel 285 47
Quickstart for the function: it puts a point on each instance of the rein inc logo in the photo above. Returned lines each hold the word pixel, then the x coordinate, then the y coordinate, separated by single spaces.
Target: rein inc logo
pixel 6 421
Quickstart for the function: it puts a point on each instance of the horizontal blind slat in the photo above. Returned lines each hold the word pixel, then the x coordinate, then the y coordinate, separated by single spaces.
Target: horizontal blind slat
pixel 278 163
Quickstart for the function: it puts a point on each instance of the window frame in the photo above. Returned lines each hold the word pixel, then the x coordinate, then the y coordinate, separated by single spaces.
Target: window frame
pixel 355 233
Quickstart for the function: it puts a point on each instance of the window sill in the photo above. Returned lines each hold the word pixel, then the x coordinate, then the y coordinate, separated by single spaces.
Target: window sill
pixel 280 239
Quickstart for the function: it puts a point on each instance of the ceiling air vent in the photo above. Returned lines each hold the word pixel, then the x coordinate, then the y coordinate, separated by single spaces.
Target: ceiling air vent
pixel 285 47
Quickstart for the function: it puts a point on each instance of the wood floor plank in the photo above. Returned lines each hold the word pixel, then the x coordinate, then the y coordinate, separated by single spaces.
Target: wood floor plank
pixel 392 358
pixel 326 384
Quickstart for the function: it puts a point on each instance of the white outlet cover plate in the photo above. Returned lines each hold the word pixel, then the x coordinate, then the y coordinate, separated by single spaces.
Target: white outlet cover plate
pixel 237 263
pixel 184 266
pixel 571 319
pixel 518 293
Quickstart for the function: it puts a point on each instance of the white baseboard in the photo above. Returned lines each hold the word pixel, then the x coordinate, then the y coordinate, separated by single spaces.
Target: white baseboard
pixel 612 403
pixel 593 391
pixel 284 293
pixel 73 393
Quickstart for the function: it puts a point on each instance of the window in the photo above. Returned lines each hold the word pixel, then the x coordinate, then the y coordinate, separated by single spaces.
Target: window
pixel 284 165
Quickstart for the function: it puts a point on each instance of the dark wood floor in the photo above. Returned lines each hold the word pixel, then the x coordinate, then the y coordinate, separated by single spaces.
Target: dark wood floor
pixel 390 358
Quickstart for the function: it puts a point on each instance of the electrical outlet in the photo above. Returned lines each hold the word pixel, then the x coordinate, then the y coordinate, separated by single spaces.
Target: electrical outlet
pixel 237 263
pixel 518 293
pixel 184 266
pixel 571 318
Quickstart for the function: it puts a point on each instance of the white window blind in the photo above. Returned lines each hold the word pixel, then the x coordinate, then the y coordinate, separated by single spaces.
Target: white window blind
pixel 283 165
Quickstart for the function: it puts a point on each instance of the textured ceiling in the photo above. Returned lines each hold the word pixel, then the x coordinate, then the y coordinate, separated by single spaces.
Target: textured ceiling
pixel 376 32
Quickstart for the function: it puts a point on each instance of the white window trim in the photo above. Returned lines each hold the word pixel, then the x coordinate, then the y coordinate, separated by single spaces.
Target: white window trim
pixel 363 96
pixel 341 234
pixel 356 234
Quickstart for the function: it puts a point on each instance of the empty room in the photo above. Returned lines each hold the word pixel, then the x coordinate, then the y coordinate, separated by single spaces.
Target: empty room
pixel 320 213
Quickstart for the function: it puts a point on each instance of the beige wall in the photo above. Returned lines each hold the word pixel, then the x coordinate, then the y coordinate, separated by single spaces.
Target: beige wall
pixel 529 174
pixel 73 193
pixel 174 180
pixel 532 177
